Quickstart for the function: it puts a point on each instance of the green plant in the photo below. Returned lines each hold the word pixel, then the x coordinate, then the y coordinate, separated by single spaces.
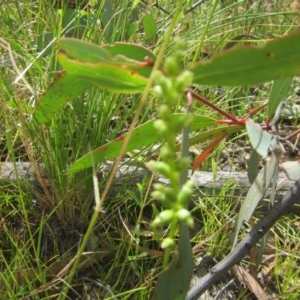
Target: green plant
pixel 122 68
pixel 69 131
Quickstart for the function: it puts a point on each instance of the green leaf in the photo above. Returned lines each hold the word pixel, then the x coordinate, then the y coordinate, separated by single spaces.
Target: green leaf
pixel 261 141
pixel 143 135
pixel 149 23
pixel 83 51
pixel 279 92
pixel 255 195
pixel 120 68
pixel 292 169
pixel 123 55
pixel 65 87
pixel 133 56
pixel 129 51
pixel 253 166
pixel 213 133
pixel 248 65
pixel 106 16
pixel 173 283
pixel 104 75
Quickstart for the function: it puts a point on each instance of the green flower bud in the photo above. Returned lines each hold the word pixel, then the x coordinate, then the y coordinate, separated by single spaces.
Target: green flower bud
pixel 158 77
pixel 172 96
pixel 165 111
pixel 185 193
pixel 163 168
pixel 166 152
pixel 166 216
pixel 163 218
pixel 151 165
pixel 158 90
pixel 184 80
pixel 164 193
pixel 166 85
pixel 158 195
pixel 171 67
pixel 184 215
pixel 156 223
pixel 167 243
pixel 161 127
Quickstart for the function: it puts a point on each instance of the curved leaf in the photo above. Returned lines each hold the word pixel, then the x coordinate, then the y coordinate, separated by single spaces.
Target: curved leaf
pixel 207 152
pixel 255 195
pixel 123 55
pixel 134 56
pixel 104 75
pixel 131 51
pixel 62 89
pixel 143 135
pixel 213 133
pixel 247 65
pixel 279 91
pixel 261 141
pixel 173 283
pixel 292 169
pixel 84 51
pixel 120 67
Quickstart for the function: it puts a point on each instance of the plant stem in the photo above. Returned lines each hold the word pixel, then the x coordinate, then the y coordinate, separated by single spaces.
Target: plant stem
pixel 167 254
pixel 216 108
pixel 123 149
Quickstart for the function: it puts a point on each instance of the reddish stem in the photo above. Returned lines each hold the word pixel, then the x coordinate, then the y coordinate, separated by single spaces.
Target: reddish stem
pixel 241 121
pixel 232 118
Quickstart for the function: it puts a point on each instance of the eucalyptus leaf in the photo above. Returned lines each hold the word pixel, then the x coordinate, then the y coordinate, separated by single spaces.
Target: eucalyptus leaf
pixel 64 87
pixel 292 169
pixel 280 58
pixel 104 75
pixel 279 92
pixel 143 135
pixel 253 166
pixel 261 141
pixel 173 283
pixel 84 51
pixel 129 51
pixel 255 195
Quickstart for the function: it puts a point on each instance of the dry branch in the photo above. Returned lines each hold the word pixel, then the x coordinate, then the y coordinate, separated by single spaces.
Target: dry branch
pixel 25 171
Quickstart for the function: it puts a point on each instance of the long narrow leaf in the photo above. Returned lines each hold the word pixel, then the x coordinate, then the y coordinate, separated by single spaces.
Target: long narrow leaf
pixel 279 92
pixel 263 142
pixel 124 55
pixel 213 133
pixel 130 51
pixel 278 59
pixel 207 152
pixel 255 195
pixel 104 75
pixel 65 87
pixel 83 51
pixel 173 283
pixel 143 135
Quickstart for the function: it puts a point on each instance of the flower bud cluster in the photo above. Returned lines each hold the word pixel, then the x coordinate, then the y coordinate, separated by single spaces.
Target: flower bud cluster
pixel 170 85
